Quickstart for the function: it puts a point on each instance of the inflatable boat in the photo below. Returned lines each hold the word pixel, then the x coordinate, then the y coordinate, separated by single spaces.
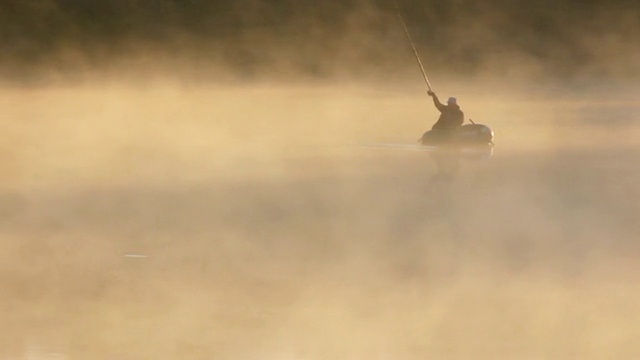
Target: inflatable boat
pixel 465 135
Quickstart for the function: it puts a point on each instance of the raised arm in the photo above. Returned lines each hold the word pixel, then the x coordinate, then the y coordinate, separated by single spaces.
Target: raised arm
pixel 436 101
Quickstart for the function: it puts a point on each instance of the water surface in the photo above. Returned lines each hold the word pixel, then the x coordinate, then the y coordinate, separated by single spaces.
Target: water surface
pixel 251 223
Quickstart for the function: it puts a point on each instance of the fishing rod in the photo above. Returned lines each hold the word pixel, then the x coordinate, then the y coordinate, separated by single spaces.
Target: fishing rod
pixel 413 46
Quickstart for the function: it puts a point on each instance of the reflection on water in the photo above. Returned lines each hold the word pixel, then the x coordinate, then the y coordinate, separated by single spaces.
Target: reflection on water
pixel 162 251
pixel 448 159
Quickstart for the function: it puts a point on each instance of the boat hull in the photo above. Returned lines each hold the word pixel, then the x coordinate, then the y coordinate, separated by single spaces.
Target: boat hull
pixel 471 134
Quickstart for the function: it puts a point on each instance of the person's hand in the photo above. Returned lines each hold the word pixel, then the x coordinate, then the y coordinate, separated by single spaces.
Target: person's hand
pixel 431 93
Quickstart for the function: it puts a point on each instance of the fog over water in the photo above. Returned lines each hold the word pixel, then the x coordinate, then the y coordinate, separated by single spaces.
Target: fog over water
pixel 194 193
pixel 263 227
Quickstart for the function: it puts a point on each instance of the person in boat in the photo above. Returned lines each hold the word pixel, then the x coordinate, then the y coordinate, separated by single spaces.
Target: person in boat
pixel 451 117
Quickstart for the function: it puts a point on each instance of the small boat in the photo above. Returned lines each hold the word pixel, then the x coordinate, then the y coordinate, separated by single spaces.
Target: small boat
pixel 466 135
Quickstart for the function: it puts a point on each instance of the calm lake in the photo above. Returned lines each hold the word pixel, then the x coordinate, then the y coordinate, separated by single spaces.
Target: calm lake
pixel 304 222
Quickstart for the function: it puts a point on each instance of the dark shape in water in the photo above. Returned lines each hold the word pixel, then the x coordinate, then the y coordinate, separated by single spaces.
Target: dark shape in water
pixel 470 134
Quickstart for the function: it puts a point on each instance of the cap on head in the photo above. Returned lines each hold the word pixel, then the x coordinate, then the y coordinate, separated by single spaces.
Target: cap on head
pixel 452 101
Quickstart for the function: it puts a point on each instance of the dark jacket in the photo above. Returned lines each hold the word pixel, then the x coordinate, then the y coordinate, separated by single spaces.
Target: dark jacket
pixel 450 118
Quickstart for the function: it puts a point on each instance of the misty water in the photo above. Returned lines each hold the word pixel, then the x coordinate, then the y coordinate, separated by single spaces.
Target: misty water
pixel 161 221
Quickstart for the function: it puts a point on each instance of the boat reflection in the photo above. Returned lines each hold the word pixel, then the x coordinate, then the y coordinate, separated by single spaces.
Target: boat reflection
pixel 449 160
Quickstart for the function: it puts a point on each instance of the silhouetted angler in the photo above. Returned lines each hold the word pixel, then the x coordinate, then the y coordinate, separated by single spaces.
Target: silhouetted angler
pixel 451 117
